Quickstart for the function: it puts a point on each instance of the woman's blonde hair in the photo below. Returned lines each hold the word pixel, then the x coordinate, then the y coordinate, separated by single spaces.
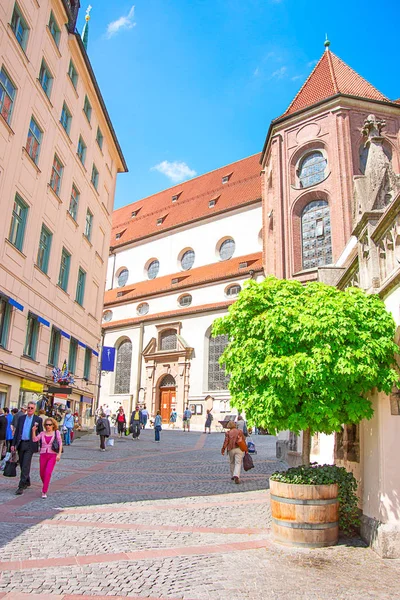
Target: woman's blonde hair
pixel 53 421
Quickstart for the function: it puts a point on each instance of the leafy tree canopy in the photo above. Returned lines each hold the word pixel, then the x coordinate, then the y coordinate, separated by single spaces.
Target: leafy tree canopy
pixel 303 357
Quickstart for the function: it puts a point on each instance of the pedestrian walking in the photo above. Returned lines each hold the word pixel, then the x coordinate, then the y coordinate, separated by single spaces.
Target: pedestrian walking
pixel 121 421
pixel 42 415
pixel 209 420
pixel 103 429
pixel 172 418
pixel 242 425
pixel 157 427
pixel 9 432
pixel 136 421
pixel 17 414
pixel 22 441
pixel 68 426
pixel 145 417
pixel 187 415
pixel 235 445
pixel 50 450
pixel 3 433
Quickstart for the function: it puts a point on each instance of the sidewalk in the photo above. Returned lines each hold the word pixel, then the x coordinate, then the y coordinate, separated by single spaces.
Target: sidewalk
pixel 156 521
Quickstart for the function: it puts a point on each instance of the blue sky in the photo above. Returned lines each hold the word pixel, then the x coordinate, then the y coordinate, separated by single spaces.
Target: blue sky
pixel 192 85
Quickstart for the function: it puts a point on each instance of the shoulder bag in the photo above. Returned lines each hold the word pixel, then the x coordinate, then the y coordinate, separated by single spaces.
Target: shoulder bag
pixel 55 444
pixel 247 462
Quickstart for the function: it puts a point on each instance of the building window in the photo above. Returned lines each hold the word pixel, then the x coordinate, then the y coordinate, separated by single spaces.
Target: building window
pixel 167 381
pixel 54 348
pixel 99 138
pixel 88 363
pixel 123 277
pixel 107 316
pixel 19 27
pixel 73 203
pixel 45 78
pixel 54 29
pixel 217 379
pixel 64 269
pixel 44 249
pixel 72 73
pixel 87 108
pixel 142 309
pixel 7 96
pixel 66 118
pixel 123 368
pixel 72 354
pixel 56 174
pixel 152 269
pixel 95 176
pixel 185 300
pixel 227 249
pixel 18 222
pixel 32 335
pixel 233 291
pixel 312 169
pixel 34 140
pixel 5 316
pixel 187 260
pixel 316 235
pixel 81 151
pixel 168 339
pixel 80 286
pixel 88 224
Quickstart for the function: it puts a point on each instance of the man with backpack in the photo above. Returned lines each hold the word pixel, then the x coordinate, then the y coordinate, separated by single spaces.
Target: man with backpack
pixel 187 415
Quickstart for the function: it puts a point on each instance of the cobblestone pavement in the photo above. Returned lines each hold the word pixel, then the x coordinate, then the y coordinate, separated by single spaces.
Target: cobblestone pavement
pixel 148 520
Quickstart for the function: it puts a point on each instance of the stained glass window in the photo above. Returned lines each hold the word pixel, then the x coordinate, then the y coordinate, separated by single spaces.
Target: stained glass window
pixel 312 169
pixel 316 235
pixel 123 368
pixel 168 340
pixel 217 379
pixel 227 249
pixel 187 260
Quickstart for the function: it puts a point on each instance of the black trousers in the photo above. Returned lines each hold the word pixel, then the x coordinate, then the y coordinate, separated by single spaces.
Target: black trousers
pixel 25 454
pixel 135 429
pixel 121 426
pixel 103 442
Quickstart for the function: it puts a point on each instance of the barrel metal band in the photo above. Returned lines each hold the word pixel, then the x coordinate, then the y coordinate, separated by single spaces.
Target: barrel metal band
pixel 298 501
pixel 293 525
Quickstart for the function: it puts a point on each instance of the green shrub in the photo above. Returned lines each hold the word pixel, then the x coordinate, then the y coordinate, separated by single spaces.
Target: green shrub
pixel 314 474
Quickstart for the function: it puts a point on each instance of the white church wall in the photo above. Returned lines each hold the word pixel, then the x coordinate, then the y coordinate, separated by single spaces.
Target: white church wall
pixel 243 225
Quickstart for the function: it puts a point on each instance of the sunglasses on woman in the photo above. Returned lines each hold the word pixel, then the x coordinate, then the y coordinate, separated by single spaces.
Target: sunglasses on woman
pixel 48 424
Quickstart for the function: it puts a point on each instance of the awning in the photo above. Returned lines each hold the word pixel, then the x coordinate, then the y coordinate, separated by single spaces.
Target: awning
pixel 15 304
pixel 43 321
pixel 64 334
pixel 95 353
pixel 81 344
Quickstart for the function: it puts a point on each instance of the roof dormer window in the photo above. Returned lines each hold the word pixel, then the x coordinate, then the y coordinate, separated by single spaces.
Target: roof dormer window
pixel 161 220
pixel 117 236
pixel 226 178
pixel 174 198
pixel 134 213
pixel 242 265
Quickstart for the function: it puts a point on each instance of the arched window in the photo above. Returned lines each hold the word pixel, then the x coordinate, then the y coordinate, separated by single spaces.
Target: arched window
pixel 123 277
pixel 142 309
pixel 168 339
pixel 187 260
pixel 107 316
pixel 152 269
pixel 123 368
pixel 227 249
pixel 185 300
pixel 312 169
pixel 167 381
pixel 217 379
pixel 232 291
pixel 316 235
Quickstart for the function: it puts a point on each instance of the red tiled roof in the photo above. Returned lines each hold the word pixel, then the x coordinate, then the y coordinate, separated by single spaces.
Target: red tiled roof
pixel 169 314
pixel 243 187
pixel 332 76
pixel 206 274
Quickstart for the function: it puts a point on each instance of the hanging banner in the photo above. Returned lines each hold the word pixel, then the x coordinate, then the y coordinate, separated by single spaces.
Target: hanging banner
pixel 107 358
pixel 31 386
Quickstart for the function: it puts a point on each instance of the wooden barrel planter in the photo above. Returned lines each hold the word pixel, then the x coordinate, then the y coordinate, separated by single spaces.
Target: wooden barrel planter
pixel 305 515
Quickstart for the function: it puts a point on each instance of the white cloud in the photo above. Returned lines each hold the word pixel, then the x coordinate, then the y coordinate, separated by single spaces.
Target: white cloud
pixel 176 171
pixel 279 73
pixel 122 23
pixel 296 77
pixel 312 63
pixel 256 72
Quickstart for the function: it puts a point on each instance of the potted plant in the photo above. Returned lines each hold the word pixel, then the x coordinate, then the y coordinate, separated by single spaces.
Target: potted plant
pixel 310 503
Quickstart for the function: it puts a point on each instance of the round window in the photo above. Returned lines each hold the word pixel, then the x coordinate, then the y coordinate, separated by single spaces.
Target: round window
pixel 185 300
pixel 187 260
pixel 232 291
pixel 143 309
pixel 107 316
pixel 152 269
pixel 123 277
pixel 227 249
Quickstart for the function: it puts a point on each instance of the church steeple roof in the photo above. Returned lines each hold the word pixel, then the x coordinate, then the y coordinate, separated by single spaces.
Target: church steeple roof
pixel 332 76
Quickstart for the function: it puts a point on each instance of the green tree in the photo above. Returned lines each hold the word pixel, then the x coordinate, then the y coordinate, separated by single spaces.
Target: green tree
pixel 304 357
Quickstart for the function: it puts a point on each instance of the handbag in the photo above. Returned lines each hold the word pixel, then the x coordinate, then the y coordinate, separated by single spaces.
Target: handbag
pixel 10 470
pixel 241 443
pixel 247 462
pixel 55 444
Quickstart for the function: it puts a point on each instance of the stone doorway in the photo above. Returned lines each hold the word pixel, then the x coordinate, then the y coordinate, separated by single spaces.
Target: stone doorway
pixel 167 397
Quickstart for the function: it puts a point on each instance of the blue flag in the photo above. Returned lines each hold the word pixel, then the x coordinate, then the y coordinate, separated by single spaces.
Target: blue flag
pixel 107 358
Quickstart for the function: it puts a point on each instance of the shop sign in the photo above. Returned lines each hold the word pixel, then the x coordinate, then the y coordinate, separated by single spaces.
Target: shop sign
pixel 60 400
pixel 87 399
pixel 52 389
pixel 32 386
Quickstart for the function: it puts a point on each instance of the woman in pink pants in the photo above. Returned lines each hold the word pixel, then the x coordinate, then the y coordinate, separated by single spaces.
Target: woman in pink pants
pixel 48 456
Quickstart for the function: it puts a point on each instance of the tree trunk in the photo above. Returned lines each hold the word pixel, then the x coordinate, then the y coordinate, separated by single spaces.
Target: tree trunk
pixel 306 451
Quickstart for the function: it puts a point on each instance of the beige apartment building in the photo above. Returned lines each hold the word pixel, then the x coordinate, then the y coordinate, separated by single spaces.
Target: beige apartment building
pixel 59 159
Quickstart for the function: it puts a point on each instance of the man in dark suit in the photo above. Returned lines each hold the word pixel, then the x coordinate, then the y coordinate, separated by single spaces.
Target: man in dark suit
pixel 22 442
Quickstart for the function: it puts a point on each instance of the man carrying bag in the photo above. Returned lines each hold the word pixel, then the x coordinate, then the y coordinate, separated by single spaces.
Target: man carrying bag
pixel 22 442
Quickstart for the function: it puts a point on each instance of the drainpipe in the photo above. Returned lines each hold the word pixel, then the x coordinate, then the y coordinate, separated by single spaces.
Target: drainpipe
pixel 139 364
pixel 103 333
pixel 113 270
